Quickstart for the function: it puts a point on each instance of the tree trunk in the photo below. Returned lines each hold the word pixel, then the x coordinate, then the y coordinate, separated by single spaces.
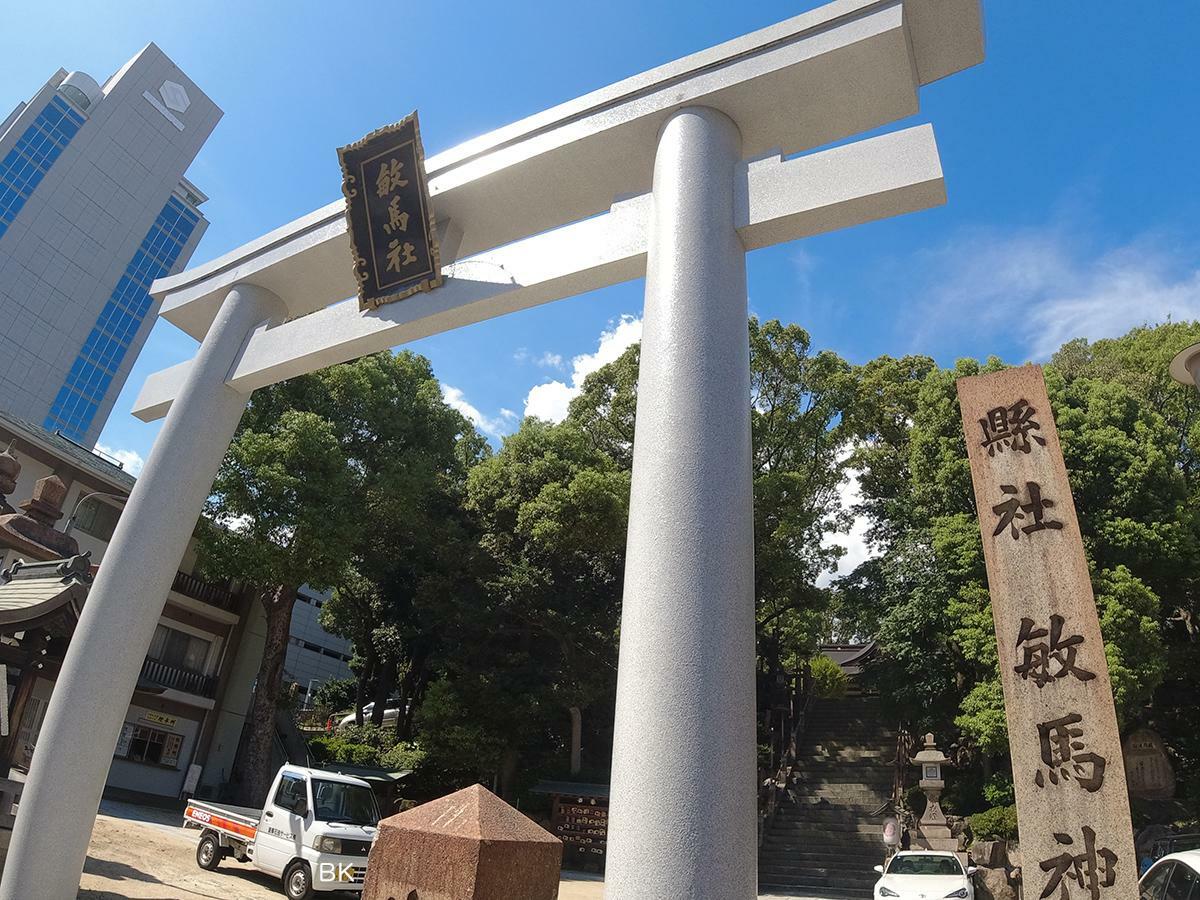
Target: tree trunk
pixel 256 767
pixel 576 740
pixel 412 688
pixel 383 689
pixel 360 692
pixel 508 775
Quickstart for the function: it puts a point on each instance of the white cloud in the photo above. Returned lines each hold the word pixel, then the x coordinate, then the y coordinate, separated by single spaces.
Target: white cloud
pixel 506 413
pixel 1039 288
pixel 854 541
pixel 130 460
pixel 491 427
pixel 550 360
pixel 551 399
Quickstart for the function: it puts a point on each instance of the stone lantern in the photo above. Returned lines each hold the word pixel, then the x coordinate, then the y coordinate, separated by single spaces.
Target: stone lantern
pixel 932 831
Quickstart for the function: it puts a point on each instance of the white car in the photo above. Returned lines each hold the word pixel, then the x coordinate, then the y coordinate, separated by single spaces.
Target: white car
pixel 924 875
pixel 391 714
pixel 1173 877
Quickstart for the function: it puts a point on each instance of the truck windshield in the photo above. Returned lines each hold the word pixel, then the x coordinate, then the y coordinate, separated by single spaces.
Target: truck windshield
pixel 336 801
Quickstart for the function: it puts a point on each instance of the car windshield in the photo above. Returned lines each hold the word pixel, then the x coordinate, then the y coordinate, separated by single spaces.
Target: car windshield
pixel 337 801
pixel 925 865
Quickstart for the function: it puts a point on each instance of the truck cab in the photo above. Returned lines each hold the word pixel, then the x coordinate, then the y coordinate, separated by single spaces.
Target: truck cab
pixel 314 831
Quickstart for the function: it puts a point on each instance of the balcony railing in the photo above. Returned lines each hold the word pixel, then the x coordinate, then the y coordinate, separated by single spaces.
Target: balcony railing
pixel 167 676
pixel 205 591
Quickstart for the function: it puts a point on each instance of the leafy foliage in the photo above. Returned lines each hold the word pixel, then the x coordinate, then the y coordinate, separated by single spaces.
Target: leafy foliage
pixel 335 694
pixel 998 790
pixel 998 823
pixel 1127 433
pixel 367 745
pixel 829 681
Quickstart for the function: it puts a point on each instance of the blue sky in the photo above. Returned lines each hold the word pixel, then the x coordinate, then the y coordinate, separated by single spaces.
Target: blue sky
pixel 1069 158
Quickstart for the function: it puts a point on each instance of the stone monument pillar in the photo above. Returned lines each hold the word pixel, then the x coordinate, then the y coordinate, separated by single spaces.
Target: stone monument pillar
pixel 469 845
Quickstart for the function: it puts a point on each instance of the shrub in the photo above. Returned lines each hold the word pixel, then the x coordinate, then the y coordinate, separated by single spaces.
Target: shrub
pixel 998 790
pixel 336 694
pixel 367 746
pixel 405 755
pixel 829 681
pixel 999 823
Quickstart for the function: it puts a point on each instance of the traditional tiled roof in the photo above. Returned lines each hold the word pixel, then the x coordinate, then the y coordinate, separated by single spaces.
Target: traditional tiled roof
pixel 851 657
pixel 78 456
pixel 32 593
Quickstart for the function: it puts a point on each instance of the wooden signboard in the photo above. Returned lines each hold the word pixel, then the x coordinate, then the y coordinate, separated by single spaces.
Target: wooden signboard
pixel 1072 803
pixel 393 237
pixel 582 825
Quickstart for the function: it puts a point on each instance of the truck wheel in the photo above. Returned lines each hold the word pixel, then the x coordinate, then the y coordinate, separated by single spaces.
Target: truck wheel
pixel 208 851
pixel 297 881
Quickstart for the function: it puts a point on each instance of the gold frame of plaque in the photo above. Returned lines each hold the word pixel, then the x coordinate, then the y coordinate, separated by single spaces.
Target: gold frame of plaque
pixel 389 214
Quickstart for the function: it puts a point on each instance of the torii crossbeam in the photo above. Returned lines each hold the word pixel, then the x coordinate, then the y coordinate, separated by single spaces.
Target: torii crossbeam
pixel 675 174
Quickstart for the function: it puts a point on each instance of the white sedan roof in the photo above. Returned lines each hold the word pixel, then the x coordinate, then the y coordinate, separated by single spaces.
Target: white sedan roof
pixel 1191 857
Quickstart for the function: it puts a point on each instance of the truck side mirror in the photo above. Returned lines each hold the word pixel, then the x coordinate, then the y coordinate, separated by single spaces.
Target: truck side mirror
pixel 301 807
pixel 879 869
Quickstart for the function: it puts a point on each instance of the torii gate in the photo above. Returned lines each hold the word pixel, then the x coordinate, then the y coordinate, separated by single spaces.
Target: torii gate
pixel 695 154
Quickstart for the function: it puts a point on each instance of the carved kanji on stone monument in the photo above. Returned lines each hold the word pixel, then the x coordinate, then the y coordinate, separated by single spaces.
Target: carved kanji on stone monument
pixel 1072 805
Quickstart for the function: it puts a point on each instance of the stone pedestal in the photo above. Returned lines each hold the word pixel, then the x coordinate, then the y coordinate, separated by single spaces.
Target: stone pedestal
pixel 470 845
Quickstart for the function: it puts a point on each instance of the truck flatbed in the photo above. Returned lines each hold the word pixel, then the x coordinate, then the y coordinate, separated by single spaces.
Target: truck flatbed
pixel 237 821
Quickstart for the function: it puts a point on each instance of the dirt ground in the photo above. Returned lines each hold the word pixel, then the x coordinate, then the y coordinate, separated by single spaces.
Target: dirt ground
pixel 142 854
pixel 150 861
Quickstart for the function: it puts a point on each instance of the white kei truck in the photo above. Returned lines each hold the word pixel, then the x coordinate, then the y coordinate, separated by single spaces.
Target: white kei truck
pixel 315 831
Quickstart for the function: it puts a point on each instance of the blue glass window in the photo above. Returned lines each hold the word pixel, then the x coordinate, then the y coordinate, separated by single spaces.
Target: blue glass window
pixel 33 154
pixel 88 381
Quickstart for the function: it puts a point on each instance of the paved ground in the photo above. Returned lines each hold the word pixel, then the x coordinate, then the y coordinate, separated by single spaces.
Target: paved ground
pixel 142 854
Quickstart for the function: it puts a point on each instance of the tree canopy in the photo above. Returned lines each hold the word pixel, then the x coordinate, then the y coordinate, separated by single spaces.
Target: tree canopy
pixel 482 591
pixel 1127 434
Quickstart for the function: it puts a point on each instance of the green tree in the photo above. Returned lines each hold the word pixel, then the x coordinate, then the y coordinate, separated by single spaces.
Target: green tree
pixel 798 405
pixel 1127 434
pixel 539 637
pixel 344 472
pixel 283 518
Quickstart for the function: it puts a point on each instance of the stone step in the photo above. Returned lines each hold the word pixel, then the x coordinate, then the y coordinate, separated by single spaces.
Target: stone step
pixel 821 880
pixel 854 799
pixel 842 882
pixel 830 813
pixel 842 750
pixel 849 843
pixel 823 859
pixel 839 775
pixel 861 873
pixel 829 893
pixel 801 827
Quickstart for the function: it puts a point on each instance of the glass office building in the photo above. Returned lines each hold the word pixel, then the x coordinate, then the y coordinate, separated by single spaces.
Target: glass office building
pixel 93 207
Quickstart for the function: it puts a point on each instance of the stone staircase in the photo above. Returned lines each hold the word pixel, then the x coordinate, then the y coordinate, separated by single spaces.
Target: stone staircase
pixel 826 843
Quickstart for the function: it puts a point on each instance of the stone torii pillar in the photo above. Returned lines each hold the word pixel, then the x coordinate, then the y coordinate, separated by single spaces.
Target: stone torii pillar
pixel 684 747
pixel 695 153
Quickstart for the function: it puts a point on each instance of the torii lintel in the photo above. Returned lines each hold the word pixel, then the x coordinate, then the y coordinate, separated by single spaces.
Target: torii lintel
pixel 812 80
pixel 779 200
